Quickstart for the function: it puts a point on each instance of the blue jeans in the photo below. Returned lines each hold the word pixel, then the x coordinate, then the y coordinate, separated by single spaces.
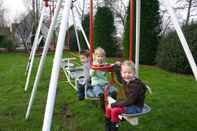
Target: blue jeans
pixel 95 91
pixel 132 109
pixel 80 88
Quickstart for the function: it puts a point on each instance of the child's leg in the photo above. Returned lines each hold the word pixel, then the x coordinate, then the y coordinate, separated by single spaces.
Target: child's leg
pixel 98 90
pixel 107 112
pixel 115 112
pixel 132 109
pixel 90 93
pixel 80 91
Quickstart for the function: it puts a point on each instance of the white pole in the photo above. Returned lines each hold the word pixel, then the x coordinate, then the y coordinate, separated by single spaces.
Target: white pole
pixel 137 39
pixel 76 34
pixel 82 30
pixel 40 39
pixel 29 60
pixel 56 68
pixel 83 10
pixel 41 4
pixel 43 58
pixel 84 36
pixel 181 37
pixel 34 48
pixel 78 11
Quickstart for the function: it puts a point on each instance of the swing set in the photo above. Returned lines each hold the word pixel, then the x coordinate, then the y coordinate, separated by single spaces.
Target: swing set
pixel 57 62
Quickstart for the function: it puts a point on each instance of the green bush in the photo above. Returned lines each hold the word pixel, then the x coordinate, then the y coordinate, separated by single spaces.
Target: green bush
pixel 104 30
pixel 5 42
pixel 149 33
pixel 170 54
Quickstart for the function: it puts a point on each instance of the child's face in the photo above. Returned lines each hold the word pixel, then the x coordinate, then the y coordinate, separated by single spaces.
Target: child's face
pixel 126 72
pixel 83 59
pixel 100 58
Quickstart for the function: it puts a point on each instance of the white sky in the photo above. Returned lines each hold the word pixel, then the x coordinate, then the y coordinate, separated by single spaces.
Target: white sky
pixel 14 8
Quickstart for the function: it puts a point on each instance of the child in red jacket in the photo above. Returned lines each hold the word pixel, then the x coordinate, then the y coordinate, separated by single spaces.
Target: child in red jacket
pixel 134 90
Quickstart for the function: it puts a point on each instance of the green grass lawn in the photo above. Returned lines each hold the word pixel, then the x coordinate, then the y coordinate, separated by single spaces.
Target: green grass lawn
pixel 173 101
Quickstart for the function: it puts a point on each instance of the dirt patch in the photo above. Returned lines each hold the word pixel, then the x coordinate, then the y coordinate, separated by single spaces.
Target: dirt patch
pixel 68 118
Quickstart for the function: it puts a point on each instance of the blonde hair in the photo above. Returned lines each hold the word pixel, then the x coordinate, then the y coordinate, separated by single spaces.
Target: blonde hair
pixel 129 64
pixel 99 50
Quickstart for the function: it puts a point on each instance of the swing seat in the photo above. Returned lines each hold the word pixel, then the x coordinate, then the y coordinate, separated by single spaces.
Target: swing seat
pixel 88 86
pixel 133 118
pixel 67 64
pixel 72 73
pixel 75 73
pixel 69 68
pixel 145 110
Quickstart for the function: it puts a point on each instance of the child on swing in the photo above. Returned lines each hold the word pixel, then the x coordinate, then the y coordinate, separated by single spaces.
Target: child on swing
pixel 99 78
pixel 134 90
pixel 84 57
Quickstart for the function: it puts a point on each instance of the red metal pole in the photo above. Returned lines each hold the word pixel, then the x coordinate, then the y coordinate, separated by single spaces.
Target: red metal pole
pixel 46 3
pixel 91 31
pixel 131 29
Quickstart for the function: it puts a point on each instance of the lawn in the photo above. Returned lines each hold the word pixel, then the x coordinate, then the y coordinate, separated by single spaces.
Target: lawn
pixel 173 101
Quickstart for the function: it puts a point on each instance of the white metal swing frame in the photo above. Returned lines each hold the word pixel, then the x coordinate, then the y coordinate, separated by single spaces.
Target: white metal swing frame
pixel 59 51
pixel 44 53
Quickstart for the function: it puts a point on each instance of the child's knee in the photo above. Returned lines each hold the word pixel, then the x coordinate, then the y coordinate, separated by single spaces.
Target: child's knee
pixel 98 91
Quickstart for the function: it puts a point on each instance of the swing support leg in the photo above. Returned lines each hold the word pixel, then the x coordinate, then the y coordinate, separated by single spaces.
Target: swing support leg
pixel 56 68
pixel 42 60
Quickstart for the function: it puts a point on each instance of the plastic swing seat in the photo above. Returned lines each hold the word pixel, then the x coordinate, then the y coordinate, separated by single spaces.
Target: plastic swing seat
pixel 86 95
pixel 69 68
pixel 71 72
pixel 66 63
pixel 76 73
pixel 133 118
pixel 145 110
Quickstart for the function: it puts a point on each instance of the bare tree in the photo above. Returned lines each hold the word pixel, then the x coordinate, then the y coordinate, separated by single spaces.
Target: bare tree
pixel 184 9
pixel 30 7
pixel 191 6
pixel 119 7
pixel 2 13
pixel 24 29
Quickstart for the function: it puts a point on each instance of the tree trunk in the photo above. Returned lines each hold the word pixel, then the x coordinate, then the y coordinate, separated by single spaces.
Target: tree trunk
pixel 188 12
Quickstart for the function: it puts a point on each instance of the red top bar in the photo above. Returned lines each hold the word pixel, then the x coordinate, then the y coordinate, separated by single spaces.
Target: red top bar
pixel 46 3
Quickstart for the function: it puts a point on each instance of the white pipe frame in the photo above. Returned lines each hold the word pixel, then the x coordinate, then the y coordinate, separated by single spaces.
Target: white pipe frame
pixel 84 36
pixel 138 8
pixel 29 60
pixel 43 58
pixel 35 44
pixel 181 36
pixel 76 34
pixel 56 68
pixel 82 30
